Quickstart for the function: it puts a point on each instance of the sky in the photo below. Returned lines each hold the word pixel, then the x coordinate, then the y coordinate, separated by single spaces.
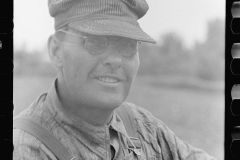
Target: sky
pixel 187 18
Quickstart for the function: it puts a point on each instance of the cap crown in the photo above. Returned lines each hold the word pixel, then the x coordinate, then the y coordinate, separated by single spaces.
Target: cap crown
pixel 66 11
pixel 101 17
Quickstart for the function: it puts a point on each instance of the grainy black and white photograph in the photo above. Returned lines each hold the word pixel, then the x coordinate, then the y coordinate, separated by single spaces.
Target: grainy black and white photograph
pixel 119 79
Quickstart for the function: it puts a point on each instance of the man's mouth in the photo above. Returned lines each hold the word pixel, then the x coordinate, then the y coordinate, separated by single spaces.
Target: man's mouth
pixel 108 79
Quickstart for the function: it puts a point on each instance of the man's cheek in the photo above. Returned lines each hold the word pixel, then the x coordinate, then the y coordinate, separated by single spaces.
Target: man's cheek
pixel 135 67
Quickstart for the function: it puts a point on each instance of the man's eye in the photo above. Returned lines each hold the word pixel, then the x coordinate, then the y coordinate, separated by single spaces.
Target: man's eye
pixel 129 44
pixel 100 41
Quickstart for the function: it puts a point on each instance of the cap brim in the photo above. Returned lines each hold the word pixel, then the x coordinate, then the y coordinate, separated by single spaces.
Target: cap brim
pixel 112 27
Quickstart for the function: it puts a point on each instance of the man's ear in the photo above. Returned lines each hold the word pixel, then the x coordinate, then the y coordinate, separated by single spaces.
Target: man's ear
pixel 54 51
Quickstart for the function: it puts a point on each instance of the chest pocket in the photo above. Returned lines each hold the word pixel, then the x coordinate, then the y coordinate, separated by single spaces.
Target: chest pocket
pixel 136 151
pixel 133 156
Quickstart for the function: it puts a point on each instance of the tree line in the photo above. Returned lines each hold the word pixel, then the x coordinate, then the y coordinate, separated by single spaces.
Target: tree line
pixel 205 60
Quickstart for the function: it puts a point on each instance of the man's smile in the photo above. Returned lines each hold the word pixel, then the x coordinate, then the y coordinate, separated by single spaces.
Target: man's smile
pixel 108 79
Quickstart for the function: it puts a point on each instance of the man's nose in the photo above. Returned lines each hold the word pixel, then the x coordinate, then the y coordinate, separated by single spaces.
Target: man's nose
pixel 112 57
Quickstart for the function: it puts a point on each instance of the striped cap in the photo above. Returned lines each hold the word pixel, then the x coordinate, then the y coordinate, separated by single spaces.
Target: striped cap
pixel 101 17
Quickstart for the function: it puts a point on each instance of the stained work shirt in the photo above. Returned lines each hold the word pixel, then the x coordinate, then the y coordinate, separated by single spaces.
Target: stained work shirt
pixel 86 141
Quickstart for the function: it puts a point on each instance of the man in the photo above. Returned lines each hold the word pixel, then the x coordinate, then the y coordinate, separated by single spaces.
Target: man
pixel 95 50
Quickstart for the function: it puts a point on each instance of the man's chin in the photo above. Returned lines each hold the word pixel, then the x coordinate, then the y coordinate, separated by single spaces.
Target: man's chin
pixel 110 104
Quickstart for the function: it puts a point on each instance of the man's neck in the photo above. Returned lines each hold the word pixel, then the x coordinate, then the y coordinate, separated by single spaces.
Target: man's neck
pixel 96 117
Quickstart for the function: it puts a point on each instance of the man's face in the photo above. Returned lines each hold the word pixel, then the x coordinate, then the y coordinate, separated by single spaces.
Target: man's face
pixel 102 80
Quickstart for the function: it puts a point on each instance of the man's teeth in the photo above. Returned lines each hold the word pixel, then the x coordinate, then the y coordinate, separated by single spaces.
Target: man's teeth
pixel 108 79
